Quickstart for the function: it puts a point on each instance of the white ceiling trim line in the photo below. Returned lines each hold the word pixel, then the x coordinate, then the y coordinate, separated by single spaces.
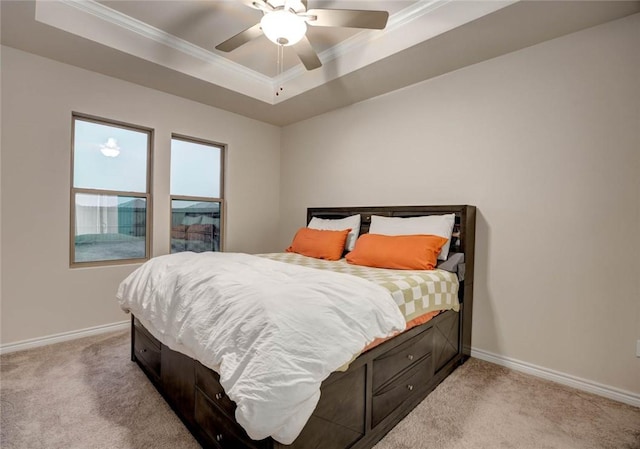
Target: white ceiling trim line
pixel 106 26
pixel 415 24
pixel 238 72
pixel 404 17
pixel 155 34
pixel 397 20
pixel 95 26
pixel 115 17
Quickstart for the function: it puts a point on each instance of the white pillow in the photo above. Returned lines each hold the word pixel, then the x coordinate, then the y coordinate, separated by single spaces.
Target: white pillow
pixel 188 221
pixel 441 225
pixel 340 224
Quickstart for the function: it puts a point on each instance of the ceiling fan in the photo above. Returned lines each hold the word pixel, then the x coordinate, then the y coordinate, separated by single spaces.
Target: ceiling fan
pixel 285 23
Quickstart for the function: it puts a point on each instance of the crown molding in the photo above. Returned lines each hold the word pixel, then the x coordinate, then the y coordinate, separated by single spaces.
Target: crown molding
pixel 419 21
pixel 162 37
pixel 363 38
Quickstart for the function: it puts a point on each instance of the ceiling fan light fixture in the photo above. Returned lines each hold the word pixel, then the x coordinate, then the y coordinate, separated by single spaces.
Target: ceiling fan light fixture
pixel 283 27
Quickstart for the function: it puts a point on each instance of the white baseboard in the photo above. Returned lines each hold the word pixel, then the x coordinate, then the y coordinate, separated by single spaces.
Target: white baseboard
pixel 64 336
pixel 607 391
pixel 616 394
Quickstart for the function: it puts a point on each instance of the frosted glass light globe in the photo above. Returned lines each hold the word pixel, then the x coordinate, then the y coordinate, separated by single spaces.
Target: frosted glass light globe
pixel 283 27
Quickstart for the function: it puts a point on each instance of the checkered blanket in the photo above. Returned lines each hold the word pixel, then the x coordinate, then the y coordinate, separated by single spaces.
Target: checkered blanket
pixel 416 292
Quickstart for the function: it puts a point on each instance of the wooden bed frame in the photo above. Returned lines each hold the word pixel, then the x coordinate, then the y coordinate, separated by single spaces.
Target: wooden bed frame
pixel 357 407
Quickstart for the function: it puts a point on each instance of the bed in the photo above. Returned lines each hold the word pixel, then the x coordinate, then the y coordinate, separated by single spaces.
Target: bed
pixel 358 405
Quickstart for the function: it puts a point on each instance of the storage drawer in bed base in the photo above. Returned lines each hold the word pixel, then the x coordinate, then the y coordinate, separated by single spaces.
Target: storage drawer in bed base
pixel 409 383
pixel 351 413
pixel 146 350
pixel 221 430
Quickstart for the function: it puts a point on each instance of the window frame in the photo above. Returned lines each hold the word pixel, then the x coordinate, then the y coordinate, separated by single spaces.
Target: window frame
pixel 220 200
pixel 76 190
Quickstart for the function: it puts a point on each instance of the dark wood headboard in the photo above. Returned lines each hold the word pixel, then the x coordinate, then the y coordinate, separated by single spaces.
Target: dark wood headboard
pixel 462 242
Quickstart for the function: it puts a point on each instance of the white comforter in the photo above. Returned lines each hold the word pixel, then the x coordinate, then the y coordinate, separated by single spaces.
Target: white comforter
pixel 273 331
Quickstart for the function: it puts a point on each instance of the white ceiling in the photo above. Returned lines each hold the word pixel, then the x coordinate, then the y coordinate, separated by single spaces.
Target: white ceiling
pixel 208 23
pixel 169 45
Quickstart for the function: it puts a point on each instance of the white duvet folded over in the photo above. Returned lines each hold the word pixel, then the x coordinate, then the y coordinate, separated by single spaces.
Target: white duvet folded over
pixel 273 331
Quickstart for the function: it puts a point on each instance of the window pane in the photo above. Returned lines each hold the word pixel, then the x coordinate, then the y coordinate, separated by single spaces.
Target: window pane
pixel 195 226
pixel 109 158
pixel 109 227
pixel 195 169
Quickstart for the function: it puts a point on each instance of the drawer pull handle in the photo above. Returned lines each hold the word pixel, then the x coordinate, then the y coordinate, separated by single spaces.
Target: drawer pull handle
pixel 142 351
pixel 219 396
pixel 410 387
pixel 410 357
pixel 219 437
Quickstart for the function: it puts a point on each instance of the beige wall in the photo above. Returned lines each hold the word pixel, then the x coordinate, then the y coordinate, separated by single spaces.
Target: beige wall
pixel 546 143
pixel 41 295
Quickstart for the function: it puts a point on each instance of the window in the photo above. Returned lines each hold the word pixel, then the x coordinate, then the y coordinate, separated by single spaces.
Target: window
pixel 110 201
pixel 196 195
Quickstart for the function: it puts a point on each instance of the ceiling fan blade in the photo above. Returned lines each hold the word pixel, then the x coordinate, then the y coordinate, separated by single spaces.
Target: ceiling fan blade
pixel 241 38
pixel 349 18
pixel 307 54
pixel 299 6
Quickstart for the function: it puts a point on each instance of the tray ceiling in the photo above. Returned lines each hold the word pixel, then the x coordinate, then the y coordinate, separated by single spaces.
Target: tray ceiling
pixel 173 42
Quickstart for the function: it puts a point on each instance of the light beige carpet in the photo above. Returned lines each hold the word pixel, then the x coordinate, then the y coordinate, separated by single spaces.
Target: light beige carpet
pixel 88 394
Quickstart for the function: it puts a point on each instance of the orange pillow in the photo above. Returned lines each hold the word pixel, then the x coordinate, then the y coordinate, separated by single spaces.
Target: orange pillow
pixel 403 252
pixel 318 243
